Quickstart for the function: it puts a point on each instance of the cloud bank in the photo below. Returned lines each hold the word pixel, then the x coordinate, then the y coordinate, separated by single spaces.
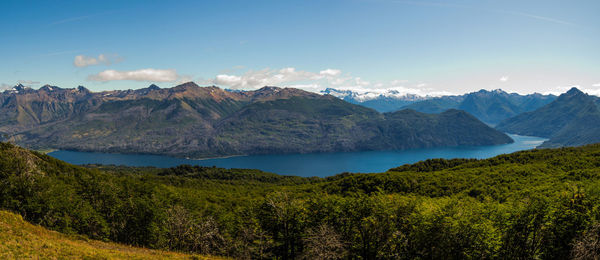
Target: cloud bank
pixel 154 75
pixel 595 90
pixel 268 77
pixel 28 82
pixel 4 86
pixel 82 61
pixel 319 81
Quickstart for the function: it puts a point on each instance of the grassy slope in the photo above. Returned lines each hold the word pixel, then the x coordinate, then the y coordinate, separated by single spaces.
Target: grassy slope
pixel 20 239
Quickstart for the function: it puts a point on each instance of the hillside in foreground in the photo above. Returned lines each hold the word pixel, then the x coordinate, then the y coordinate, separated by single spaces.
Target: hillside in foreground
pixel 20 239
pixel 538 204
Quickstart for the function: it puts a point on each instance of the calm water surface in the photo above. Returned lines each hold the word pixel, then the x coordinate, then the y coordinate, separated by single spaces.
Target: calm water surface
pixel 322 164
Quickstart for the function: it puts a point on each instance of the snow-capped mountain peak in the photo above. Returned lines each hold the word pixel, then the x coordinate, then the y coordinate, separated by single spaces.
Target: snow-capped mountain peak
pixel 363 95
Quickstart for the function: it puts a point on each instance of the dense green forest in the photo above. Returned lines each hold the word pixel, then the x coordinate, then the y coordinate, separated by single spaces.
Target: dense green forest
pixel 539 204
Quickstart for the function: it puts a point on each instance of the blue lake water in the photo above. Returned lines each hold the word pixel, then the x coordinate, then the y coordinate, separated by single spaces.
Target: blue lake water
pixel 322 164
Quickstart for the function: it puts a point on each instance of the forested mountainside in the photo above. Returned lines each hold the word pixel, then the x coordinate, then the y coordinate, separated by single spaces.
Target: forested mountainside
pixel 573 119
pixel 488 106
pixel 538 204
pixel 192 121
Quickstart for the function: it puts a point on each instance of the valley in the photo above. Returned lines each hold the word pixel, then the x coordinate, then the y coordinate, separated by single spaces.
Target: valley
pixel 311 164
pixel 473 208
pixel 300 130
pixel 573 119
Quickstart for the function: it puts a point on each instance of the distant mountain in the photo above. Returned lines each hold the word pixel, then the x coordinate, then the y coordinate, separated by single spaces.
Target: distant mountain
pixel 188 120
pixel 572 119
pixel 386 101
pixel 488 106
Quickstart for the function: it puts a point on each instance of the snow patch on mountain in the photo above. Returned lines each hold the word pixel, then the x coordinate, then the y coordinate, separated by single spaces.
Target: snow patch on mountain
pixel 366 94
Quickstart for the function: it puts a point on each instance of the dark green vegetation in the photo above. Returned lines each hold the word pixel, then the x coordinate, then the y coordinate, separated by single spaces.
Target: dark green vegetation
pixel 193 121
pixel 540 204
pixel 572 119
pixel 488 106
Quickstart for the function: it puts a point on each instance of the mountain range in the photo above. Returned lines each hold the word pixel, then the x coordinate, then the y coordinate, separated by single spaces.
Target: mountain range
pixel 382 101
pixel 192 121
pixel 573 119
pixel 490 107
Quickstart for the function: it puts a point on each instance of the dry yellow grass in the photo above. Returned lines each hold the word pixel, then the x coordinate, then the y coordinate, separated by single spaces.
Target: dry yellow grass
pixel 22 240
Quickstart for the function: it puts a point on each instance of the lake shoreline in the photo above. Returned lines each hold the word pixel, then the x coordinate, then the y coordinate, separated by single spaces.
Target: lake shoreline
pixel 307 165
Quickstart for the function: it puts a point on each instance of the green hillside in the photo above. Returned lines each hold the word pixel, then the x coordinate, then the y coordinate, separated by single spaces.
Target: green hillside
pixel 539 204
pixel 22 240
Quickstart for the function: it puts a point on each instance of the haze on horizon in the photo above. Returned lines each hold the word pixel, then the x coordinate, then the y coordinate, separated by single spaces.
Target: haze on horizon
pixel 421 47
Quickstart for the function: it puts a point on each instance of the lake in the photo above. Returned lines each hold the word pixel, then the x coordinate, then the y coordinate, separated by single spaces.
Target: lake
pixel 322 164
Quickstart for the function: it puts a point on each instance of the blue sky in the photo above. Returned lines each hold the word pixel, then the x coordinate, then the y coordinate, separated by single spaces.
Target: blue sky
pixel 425 47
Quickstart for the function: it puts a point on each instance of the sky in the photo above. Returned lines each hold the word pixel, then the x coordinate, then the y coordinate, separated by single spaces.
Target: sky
pixel 422 47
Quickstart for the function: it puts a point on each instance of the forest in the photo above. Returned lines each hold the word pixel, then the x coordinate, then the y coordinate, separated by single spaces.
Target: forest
pixel 537 204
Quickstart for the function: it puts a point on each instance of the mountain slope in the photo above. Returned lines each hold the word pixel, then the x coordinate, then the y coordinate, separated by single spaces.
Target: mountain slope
pixel 188 120
pixel 437 105
pixel 572 119
pixel 313 126
pixel 23 108
pixel 20 239
pixel 488 106
pixel 452 126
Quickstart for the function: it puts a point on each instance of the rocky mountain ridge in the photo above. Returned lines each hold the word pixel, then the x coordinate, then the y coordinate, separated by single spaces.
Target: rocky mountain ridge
pixel 189 120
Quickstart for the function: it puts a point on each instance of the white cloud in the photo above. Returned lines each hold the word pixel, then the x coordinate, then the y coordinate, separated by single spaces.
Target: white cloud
pixel 593 91
pixel 330 72
pixel 318 81
pixel 308 87
pixel 4 86
pixel 557 91
pixel 283 77
pixel 183 79
pixel 398 82
pixel 28 82
pixel 361 82
pixel 338 81
pixel 84 61
pixel 504 79
pixel 155 75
